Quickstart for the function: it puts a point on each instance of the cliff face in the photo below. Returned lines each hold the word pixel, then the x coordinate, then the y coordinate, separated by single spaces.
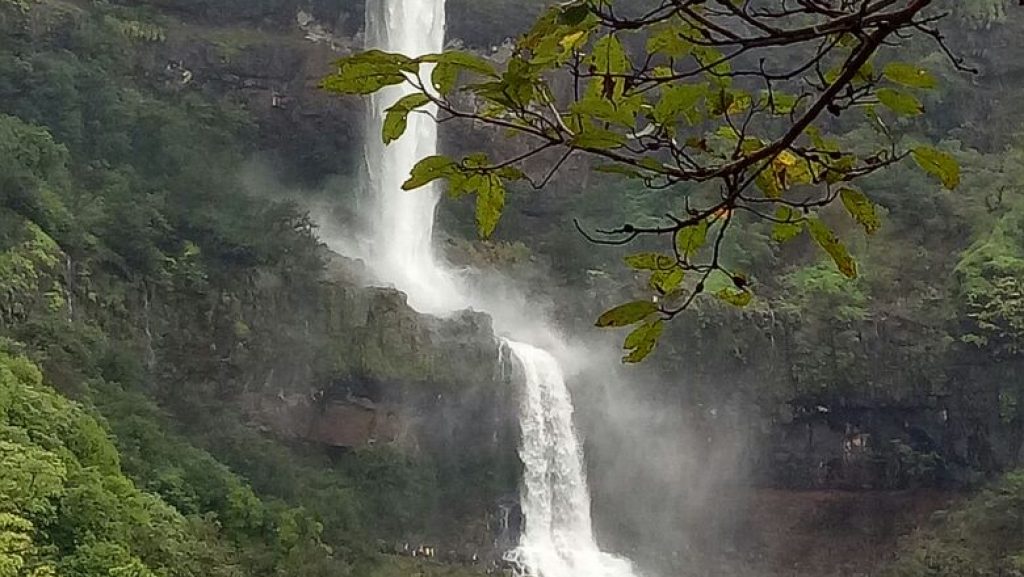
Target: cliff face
pixel 327 365
pixel 273 62
pixel 350 366
pixel 274 74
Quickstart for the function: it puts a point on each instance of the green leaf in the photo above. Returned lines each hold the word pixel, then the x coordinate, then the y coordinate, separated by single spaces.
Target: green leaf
pixel 622 111
pixel 668 41
pixel 666 281
pixel 444 78
pixel 939 164
pixel 680 101
pixel 791 224
pixel 717 281
pixel 475 160
pixel 691 238
pixel 899 102
pixel 609 57
pixel 642 340
pixel 909 75
pixel 735 296
pixel 861 209
pixel 490 201
pixel 464 61
pixel 594 137
pixel 718 64
pixel 627 314
pixel 368 72
pixel 781 103
pixel 864 75
pixel 510 173
pixel 768 182
pixel 728 133
pixel 429 169
pixel 650 261
pixel 831 244
pixel 651 163
pixel 573 14
pixel 396 117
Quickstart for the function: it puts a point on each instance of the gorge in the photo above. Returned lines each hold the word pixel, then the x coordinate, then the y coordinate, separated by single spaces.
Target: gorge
pixel 193 385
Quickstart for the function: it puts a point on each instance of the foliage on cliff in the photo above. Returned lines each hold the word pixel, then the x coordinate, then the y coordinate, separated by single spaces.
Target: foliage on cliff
pixel 67 507
pixel 978 537
pixel 143 282
pixel 736 109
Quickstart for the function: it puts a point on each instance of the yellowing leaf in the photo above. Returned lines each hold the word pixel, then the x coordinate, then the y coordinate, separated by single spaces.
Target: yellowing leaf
pixel 785 170
pixel 627 314
pixel 739 103
pixel 787 158
pixel 666 281
pixel 735 296
pixel 570 41
pixel 642 341
pixel 831 244
pixel 650 261
pixel 939 164
pixel 861 209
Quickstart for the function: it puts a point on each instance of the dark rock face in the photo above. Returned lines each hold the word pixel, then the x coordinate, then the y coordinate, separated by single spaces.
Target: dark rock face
pixel 857 447
pixel 338 364
pixel 348 423
pixel 307 133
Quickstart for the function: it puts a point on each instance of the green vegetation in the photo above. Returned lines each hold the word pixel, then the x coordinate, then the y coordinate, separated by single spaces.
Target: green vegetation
pixel 912 339
pixel 686 113
pixel 146 299
pixel 143 294
pixel 980 537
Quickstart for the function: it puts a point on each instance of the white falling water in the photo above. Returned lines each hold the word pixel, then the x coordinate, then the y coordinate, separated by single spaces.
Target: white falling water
pixel 558 538
pixel 402 251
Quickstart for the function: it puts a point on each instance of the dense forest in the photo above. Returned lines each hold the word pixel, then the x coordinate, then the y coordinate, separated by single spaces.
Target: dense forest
pixel 178 345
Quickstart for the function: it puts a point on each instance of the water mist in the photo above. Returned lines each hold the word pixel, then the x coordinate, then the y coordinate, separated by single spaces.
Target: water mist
pixel 558 537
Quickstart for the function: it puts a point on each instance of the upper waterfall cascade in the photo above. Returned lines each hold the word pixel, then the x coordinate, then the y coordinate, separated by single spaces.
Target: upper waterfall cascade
pixel 558 538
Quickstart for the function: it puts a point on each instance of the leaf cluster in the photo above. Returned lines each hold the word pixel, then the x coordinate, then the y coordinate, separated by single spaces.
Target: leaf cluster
pixel 737 101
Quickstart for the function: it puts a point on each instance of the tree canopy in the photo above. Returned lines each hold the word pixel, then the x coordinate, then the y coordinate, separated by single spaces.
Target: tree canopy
pixel 773 109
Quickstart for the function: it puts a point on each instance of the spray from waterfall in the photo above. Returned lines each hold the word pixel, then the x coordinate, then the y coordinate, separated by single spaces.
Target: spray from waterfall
pixel 558 538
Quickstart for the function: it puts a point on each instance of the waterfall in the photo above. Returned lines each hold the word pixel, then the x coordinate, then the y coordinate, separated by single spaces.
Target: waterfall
pixel 402 250
pixel 558 538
